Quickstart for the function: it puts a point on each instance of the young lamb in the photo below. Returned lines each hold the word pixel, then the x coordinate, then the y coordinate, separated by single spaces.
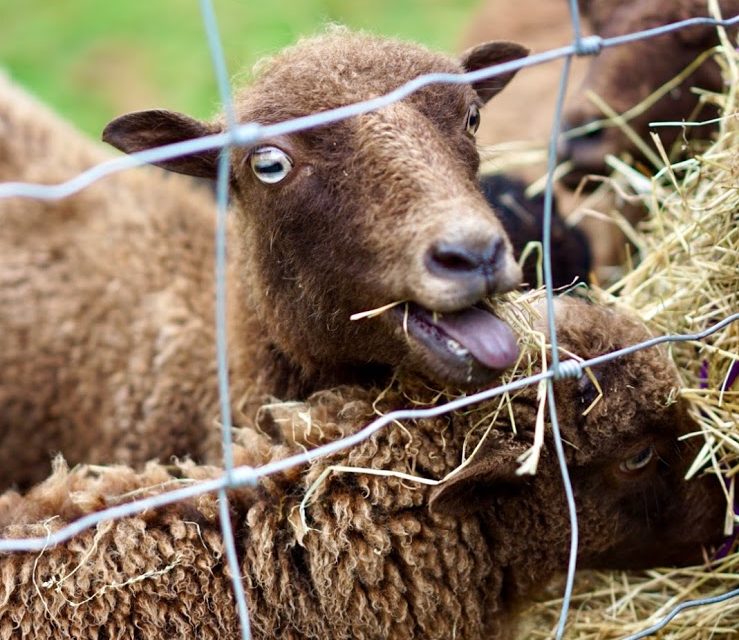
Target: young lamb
pixel 613 76
pixel 106 303
pixel 375 561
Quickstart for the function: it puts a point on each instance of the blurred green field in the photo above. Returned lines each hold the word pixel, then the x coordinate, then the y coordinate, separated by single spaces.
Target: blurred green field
pixel 93 60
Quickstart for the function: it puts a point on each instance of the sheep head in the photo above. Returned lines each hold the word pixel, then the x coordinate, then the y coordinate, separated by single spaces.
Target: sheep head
pixel 626 458
pixel 361 213
pixel 624 76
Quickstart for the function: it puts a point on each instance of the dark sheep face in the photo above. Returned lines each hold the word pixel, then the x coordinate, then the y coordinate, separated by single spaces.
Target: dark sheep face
pixel 355 215
pixel 627 459
pixel 630 453
pixel 625 76
pixel 652 516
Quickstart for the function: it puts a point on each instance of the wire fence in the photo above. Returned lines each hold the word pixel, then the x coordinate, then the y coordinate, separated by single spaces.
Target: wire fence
pixel 252 133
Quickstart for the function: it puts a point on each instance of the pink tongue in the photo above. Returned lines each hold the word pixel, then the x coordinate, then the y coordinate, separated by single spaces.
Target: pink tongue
pixel 487 338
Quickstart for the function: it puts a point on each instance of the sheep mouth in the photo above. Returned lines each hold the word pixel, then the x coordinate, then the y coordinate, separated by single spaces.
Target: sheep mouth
pixel 466 347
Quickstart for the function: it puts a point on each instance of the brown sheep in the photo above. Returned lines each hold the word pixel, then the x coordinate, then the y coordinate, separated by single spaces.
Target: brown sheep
pixel 624 76
pixel 375 562
pixel 611 75
pixel 85 315
pixel 106 309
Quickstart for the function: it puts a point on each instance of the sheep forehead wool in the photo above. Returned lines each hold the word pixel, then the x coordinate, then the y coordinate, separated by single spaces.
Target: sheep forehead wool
pixel 341 67
pixel 627 384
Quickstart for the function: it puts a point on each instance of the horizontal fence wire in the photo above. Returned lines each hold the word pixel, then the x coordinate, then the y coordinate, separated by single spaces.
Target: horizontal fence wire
pixel 252 133
pixel 688 604
pixel 245 475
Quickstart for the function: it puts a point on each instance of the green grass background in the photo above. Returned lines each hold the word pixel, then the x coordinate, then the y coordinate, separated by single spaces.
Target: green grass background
pixel 94 59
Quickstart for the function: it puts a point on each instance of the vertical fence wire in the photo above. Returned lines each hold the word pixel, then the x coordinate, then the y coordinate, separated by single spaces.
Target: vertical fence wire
pixel 222 183
pixel 576 25
pixel 251 132
pixel 551 403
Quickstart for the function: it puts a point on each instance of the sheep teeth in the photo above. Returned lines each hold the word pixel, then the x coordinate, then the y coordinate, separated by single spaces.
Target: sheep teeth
pixel 456 348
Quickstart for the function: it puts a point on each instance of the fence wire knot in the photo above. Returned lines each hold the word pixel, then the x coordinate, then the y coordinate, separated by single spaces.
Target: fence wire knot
pixel 568 369
pixel 246 134
pixel 245 476
pixel 588 46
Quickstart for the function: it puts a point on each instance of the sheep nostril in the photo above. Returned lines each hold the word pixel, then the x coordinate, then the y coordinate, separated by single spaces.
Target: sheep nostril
pixel 447 256
pixel 494 253
pixel 457 259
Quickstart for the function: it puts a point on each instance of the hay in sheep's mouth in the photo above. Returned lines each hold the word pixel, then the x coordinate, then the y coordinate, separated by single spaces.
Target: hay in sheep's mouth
pixel 467 339
pixel 470 346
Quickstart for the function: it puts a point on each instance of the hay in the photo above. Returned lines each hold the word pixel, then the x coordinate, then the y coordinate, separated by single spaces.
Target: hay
pixel 686 280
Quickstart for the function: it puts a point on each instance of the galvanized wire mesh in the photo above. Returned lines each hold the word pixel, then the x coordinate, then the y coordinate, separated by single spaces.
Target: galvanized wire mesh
pixel 251 133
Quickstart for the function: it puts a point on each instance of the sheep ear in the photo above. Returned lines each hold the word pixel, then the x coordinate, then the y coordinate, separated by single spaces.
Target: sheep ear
pixel 488 477
pixel 597 12
pixel 486 55
pixel 143 130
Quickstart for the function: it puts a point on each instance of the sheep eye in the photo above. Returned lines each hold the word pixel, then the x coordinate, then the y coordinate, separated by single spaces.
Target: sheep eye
pixel 639 461
pixel 270 164
pixel 472 123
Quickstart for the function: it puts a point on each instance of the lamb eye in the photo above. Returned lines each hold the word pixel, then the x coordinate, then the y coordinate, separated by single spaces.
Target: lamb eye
pixel 270 164
pixel 472 123
pixel 639 461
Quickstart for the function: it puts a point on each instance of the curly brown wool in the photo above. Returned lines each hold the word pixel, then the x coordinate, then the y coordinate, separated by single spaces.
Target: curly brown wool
pixel 375 561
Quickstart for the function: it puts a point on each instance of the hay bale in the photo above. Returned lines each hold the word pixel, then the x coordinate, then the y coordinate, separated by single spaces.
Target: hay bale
pixel 687 280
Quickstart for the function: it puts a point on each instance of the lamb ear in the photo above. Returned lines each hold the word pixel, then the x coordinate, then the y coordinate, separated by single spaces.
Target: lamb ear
pixel 489 476
pixel 486 55
pixel 143 130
